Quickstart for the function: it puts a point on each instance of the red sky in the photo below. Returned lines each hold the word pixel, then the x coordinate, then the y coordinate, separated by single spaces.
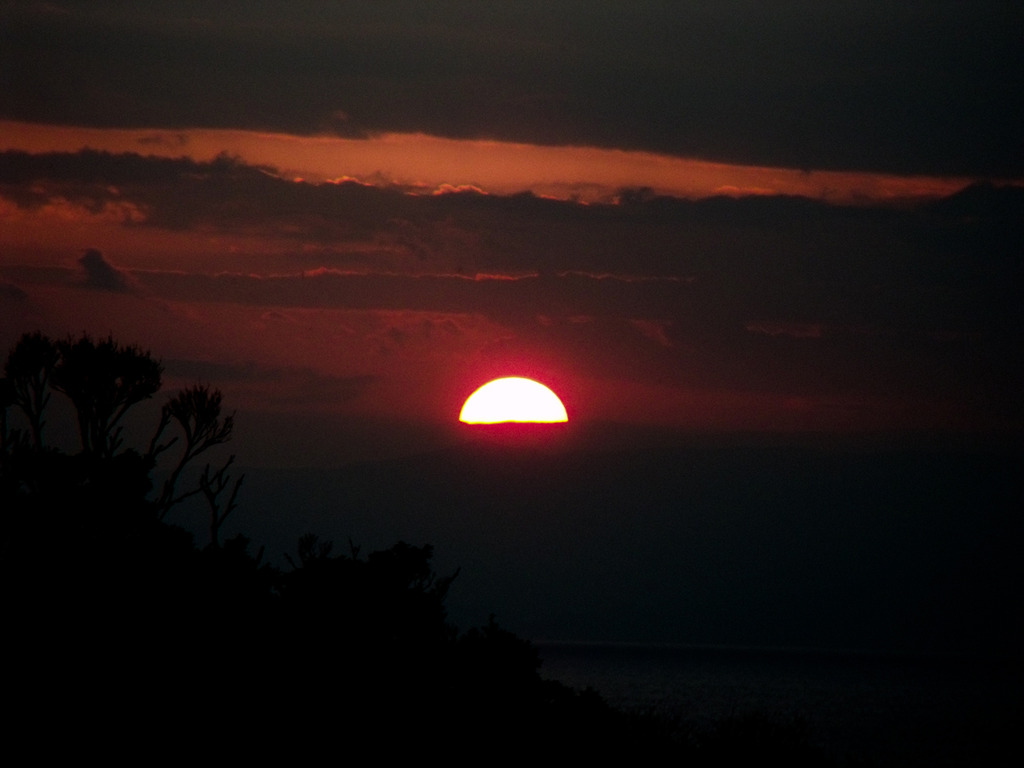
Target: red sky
pixel 377 302
pixel 664 234
pixel 688 219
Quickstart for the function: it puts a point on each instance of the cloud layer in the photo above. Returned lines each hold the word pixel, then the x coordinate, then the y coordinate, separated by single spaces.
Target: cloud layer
pixel 915 87
pixel 874 314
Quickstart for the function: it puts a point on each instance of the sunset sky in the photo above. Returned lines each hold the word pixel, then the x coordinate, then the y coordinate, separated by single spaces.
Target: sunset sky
pixel 700 223
pixel 715 216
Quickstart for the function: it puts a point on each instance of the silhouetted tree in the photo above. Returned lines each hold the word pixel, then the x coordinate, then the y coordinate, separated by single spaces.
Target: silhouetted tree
pixel 27 373
pixel 213 485
pixel 93 578
pixel 390 600
pixel 197 410
pixel 311 551
pixel 103 381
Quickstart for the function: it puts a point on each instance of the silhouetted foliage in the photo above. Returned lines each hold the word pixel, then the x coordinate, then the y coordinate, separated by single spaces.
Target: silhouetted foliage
pixel 494 659
pixel 103 381
pixel 390 602
pixel 103 597
pixel 27 373
pixel 85 557
pixel 197 411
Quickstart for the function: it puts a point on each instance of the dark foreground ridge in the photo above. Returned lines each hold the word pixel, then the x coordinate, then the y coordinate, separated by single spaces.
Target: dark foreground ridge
pixel 122 636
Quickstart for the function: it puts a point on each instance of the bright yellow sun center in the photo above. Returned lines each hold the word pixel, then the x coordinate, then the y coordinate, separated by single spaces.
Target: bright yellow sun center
pixel 513 399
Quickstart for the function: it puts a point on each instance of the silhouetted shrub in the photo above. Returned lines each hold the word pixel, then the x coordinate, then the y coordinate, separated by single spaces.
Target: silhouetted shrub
pixel 119 615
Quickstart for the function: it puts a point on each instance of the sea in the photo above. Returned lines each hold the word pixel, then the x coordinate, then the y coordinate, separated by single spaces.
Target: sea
pixel 858 709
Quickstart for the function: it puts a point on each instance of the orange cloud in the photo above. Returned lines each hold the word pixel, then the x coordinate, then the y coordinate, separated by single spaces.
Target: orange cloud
pixel 431 164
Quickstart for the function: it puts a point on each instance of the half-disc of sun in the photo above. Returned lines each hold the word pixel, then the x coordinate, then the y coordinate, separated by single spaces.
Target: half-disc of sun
pixel 513 399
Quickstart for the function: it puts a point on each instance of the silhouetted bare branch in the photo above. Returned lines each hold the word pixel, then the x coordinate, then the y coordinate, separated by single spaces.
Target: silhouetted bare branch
pixel 213 486
pixel 197 412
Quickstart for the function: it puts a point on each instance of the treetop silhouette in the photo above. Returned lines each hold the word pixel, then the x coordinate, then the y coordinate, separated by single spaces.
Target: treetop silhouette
pixel 104 380
pixel 27 373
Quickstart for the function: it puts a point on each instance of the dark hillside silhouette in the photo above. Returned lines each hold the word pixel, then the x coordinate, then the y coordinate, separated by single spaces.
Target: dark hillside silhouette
pixel 116 615
pixel 113 614
pixel 97 582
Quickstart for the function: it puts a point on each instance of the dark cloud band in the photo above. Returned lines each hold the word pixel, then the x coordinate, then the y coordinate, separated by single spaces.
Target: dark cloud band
pixel 916 87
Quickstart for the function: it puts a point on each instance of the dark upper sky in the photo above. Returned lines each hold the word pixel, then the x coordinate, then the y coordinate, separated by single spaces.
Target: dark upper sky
pixel 920 86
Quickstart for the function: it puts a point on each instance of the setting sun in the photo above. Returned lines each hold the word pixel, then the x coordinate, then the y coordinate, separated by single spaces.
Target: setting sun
pixel 513 399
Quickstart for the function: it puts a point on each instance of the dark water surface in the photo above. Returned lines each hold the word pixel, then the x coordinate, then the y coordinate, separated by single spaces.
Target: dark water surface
pixel 862 709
